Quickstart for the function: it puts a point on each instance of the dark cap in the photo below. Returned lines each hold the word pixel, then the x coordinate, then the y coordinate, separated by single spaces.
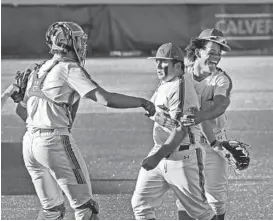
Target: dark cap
pixel 215 35
pixel 169 51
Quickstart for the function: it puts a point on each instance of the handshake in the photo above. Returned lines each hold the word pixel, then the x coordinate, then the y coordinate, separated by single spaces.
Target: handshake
pixel 164 119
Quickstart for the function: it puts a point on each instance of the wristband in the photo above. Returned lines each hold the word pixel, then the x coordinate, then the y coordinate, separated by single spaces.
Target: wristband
pixel 213 143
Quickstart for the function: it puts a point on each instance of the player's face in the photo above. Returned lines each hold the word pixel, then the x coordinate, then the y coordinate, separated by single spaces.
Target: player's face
pixel 165 69
pixel 210 56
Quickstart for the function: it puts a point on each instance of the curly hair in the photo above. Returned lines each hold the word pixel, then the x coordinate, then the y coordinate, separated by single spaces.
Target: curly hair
pixel 195 43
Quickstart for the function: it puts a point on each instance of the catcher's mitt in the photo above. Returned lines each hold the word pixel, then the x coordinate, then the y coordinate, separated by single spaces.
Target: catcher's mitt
pixel 21 81
pixel 237 154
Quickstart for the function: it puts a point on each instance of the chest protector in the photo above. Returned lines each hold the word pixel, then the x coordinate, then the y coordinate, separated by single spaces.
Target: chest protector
pixel 36 91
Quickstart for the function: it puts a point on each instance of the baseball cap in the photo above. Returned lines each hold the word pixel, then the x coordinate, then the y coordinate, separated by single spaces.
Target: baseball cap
pixel 215 35
pixel 168 51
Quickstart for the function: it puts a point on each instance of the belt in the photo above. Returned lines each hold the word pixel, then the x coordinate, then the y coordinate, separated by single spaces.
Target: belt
pixel 47 130
pixel 42 130
pixel 181 148
pixel 184 147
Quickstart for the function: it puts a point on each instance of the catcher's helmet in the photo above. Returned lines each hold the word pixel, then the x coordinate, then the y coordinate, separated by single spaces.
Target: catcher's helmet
pixel 61 37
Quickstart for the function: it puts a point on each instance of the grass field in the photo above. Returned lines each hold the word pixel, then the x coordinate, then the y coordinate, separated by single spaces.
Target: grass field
pixel 114 142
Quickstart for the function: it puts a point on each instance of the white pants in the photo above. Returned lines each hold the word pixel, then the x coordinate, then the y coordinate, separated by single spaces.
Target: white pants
pixel 56 165
pixel 216 177
pixel 182 172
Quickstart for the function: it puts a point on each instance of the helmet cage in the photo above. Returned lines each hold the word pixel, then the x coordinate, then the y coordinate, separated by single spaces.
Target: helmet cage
pixel 62 37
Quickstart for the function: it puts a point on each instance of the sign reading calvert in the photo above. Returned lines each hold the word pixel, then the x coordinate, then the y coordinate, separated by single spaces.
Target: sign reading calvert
pixel 246 26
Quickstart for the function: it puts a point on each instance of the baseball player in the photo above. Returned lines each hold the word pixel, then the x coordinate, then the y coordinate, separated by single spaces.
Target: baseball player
pixel 175 162
pixel 7 93
pixel 213 88
pixel 49 106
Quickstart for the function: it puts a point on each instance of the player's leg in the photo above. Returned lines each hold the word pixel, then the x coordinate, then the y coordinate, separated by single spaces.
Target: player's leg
pixel 186 178
pixel 79 195
pixel 182 213
pixel 73 177
pixel 69 170
pixel 216 176
pixel 149 192
pixel 47 189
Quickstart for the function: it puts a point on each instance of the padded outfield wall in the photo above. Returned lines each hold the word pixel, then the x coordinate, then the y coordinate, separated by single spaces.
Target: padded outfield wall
pixel 137 26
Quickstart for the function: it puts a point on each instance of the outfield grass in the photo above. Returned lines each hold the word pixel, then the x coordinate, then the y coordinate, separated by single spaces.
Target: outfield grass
pixel 114 142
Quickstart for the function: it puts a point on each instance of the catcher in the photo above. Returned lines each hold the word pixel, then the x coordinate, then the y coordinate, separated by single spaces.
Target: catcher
pixel 48 100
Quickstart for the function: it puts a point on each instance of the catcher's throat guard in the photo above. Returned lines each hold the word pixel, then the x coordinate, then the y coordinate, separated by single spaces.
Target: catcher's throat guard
pixel 237 154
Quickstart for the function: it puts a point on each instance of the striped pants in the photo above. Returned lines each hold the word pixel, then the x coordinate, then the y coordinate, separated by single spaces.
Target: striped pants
pixel 56 166
pixel 182 172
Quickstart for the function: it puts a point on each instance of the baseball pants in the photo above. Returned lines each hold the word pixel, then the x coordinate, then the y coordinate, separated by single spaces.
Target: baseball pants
pixel 56 166
pixel 182 172
pixel 216 177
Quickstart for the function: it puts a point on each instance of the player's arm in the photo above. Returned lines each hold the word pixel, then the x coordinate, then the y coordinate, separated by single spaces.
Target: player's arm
pixel 219 107
pixel 80 81
pixel 172 142
pixel 221 101
pixel 153 101
pixel 21 111
pixel 207 131
pixel 7 93
pixel 115 100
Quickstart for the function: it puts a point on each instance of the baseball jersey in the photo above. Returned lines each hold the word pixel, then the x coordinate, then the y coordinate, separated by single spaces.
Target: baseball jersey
pixel 218 83
pixel 177 96
pixel 60 82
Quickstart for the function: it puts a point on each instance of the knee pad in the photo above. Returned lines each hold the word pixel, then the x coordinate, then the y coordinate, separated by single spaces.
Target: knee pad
pixel 54 213
pixel 93 206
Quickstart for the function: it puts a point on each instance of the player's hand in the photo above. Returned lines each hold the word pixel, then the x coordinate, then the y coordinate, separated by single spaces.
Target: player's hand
pixel 198 117
pixel 11 89
pixel 149 107
pixel 150 162
pixel 189 116
pixel 165 120
pixel 187 120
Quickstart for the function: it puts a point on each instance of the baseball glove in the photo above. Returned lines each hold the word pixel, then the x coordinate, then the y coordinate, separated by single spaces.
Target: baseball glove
pixel 21 81
pixel 237 154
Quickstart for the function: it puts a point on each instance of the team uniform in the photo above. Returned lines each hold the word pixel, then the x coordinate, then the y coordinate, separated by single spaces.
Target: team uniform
pixel 50 153
pixel 182 170
pixel 216 165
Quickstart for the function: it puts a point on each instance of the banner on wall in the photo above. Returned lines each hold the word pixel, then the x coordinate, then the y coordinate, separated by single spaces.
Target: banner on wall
pixel 246 28
pixel 143 28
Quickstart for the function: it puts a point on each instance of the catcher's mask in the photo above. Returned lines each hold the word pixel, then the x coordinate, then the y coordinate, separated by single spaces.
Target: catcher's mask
pixel 62 37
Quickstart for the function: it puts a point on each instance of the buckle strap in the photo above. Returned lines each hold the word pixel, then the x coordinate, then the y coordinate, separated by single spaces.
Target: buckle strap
pixel 184 147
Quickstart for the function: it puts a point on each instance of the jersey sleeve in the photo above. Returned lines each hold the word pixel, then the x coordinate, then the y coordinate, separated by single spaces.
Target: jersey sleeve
pixel 176 100
pixel 80 81
pixel 223 85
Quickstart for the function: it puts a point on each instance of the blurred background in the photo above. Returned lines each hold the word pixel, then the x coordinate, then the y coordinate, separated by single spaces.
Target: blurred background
pixel 137 27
